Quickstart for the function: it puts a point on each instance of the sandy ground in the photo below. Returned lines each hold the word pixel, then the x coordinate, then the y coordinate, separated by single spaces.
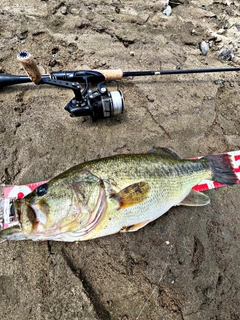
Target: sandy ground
pixel 185 265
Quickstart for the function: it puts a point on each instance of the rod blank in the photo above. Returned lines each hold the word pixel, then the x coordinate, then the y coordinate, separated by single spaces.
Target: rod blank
pixel 177 71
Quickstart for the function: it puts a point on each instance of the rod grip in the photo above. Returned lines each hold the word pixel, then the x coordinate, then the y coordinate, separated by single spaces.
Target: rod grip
pixel 29 65
pixel 116 74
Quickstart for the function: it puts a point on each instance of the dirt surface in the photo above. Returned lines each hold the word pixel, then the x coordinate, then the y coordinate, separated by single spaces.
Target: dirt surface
pixel 185 265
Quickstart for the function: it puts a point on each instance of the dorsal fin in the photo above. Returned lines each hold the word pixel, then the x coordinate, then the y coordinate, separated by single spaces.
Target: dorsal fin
pixel 164 152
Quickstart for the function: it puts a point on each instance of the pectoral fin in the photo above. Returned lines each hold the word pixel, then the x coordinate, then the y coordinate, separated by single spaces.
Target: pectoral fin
pixel 135 227
pixel 195 198
pixel 132 194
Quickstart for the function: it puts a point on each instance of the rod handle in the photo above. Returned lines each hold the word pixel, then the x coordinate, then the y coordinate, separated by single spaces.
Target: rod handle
pixel 116 74
pixel 29 65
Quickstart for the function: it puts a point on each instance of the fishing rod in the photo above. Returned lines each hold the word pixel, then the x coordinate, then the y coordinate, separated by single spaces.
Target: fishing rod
pixel 99 102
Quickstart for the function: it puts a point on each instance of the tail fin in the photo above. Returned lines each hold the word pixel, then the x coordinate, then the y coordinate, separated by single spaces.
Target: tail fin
pixel 222 169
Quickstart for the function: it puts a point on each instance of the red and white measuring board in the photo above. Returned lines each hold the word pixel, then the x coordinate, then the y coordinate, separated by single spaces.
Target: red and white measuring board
pixel 10 193
pixel 7 195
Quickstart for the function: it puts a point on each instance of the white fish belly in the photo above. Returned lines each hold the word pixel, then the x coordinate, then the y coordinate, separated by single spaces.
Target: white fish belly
pixel 149 210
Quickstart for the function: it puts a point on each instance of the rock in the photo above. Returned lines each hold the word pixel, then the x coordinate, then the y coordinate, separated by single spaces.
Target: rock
pixel 63 10
pixel 204 47
pixel 226 54
pixel 168 10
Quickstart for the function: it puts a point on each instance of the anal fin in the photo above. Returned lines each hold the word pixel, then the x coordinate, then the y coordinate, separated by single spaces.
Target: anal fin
pixel 135 227
pixel 195 199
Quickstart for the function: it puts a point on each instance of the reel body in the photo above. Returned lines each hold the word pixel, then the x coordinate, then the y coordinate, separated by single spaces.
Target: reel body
pixel 98 104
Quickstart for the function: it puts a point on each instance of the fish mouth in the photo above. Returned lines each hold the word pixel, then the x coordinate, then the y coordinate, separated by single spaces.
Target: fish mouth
pixel 12 233
pixel 10 226
pixel 30 216
pixel 36 215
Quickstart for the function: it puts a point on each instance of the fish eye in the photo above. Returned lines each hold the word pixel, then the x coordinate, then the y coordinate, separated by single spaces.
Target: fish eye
pixel 42 190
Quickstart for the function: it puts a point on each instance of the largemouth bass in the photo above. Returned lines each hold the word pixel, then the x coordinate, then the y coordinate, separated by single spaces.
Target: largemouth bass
pixel 121 193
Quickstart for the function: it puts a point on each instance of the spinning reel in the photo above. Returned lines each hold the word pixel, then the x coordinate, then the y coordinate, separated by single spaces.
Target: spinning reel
pixel 97 103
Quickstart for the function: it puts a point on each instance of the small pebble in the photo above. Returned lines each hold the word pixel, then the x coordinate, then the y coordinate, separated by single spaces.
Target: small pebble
pixel 52 63
pixel 167 11
pixel 226 54
pixel 150 98
pixel 220 81
pixel 55 50
pixel 117 10
pixel 167 243
pixel 210 43
pixel 238 27
pixel 63 10
pixel 226 26
pixel 221 31
pixel 132 53
pixel 204 47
